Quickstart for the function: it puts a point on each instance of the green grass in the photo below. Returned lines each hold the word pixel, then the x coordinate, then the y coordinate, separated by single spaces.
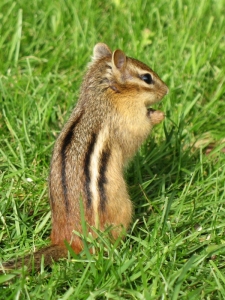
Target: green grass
pixel 176 246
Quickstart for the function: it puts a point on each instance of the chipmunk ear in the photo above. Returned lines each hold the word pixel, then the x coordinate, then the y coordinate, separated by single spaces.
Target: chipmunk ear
pixel 101 50
pixel 119 60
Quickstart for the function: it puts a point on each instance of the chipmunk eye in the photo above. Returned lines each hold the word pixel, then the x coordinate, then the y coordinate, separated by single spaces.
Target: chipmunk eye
pixel 147 78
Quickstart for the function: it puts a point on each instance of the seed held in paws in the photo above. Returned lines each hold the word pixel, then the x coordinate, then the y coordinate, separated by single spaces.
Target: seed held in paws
pixel 156 116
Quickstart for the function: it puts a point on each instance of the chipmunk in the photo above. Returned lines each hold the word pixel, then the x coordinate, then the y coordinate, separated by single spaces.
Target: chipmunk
pixel 111 120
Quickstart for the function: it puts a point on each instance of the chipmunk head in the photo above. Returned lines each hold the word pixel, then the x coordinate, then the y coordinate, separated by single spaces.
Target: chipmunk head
pixel 130 80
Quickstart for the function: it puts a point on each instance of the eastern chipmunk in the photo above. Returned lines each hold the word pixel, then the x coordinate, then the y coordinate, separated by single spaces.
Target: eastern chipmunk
pixel 109 123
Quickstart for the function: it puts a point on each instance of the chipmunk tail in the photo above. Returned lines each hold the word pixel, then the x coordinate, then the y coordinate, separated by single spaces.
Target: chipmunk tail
pixel 33 262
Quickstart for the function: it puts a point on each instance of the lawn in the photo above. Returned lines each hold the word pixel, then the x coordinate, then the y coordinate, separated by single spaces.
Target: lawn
pixel 175 248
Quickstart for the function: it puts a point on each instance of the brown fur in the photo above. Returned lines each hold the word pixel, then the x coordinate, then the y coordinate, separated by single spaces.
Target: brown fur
pixel 106 128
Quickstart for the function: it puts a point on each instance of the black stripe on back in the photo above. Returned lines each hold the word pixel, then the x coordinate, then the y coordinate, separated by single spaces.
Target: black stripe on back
pixel 102 180
pixel 65 144
pixel 87 160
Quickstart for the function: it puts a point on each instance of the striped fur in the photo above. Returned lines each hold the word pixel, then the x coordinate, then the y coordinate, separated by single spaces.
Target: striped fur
pixel 87 170
pixel 66 143
pixel 98 169
pixel 102 178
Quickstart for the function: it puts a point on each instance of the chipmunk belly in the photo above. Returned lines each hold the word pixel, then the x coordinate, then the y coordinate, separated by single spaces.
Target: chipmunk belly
pixel 119 206
pixel 114 206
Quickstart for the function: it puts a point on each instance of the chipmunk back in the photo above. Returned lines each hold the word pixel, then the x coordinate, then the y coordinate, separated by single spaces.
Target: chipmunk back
pixel 109 123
